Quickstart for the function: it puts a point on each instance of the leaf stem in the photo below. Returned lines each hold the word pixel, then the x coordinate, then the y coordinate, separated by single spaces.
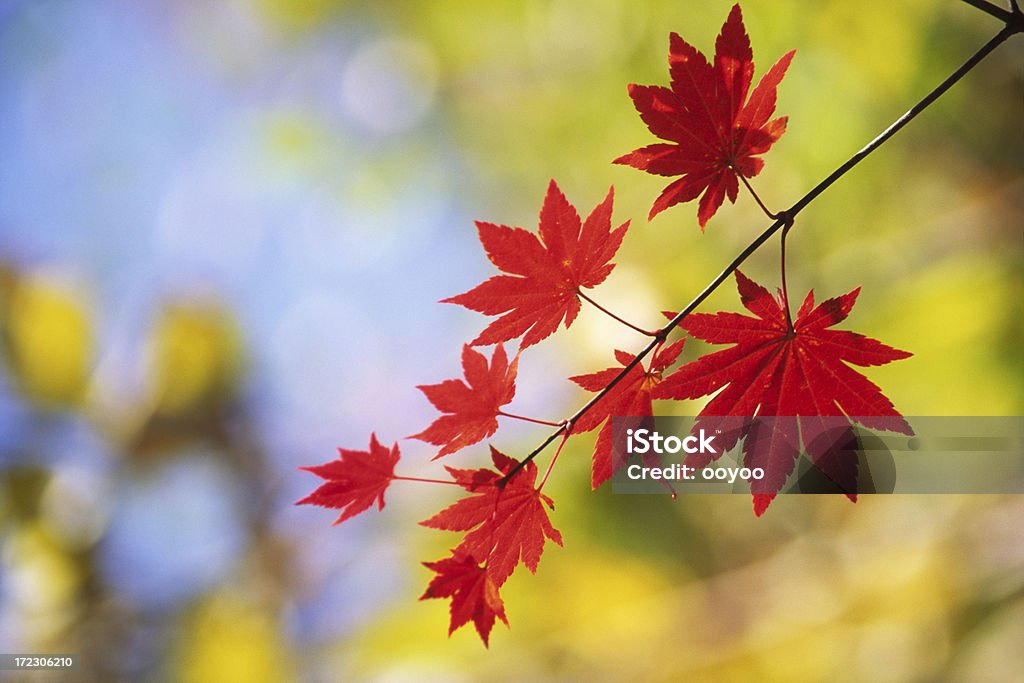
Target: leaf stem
pixel 551 465
pixel 785 287
pixel 757 198
pixel 779 223
pixel 529 419
pixel 604 310
pixel 425 481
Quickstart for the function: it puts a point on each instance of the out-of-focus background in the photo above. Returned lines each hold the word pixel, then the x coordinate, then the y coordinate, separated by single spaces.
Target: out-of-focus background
pixel 223 230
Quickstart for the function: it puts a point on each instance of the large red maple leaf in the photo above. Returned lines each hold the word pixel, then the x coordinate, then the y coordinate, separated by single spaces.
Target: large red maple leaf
pixel 473 591
pixel 470 408
pixel 506 520
pixel 715 132
pixel 355 480
pixel 797 376
pixel 631 398
pixel 545 275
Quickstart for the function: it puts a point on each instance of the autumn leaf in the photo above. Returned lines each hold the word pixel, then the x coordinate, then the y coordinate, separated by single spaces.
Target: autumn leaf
pixel 473 592
pixel 715 133
pixel 631 397
pixel 355 480
pixel 544 275
pixel 506 521
pixel 470 408
pixel 801 375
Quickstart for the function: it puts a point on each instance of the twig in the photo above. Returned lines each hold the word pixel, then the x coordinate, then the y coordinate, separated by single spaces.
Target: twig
pixel 779 223
pixel 994 10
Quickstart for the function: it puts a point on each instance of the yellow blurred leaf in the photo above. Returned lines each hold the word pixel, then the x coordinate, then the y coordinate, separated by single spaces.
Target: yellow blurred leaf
pixel 229 640
pixel 195 355
pixel 49 341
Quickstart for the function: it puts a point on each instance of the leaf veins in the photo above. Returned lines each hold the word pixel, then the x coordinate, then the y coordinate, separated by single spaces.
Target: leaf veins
pixel 796 375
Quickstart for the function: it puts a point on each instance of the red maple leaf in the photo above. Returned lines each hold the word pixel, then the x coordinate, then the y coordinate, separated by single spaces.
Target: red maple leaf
pixel 506 521
pixel 801 374
pixel 715 132
pixel 355 480
pixel 545 275
pixel 472 407
pixel 631 397
pixel 473 592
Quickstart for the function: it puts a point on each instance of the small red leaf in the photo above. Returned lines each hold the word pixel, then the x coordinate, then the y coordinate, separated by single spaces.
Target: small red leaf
pixel 470 408
pixel 355 480
pixel 630 397
pixel 716 132
pixel 473 592
pixel 543 275
pixel 507 524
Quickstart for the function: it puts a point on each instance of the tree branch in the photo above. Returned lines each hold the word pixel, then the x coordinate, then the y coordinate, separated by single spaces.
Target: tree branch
pixel 989 8
pixel 1014 25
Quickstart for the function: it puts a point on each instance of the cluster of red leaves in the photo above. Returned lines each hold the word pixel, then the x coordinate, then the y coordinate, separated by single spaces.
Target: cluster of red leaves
pixel 716 128
pixel 505 522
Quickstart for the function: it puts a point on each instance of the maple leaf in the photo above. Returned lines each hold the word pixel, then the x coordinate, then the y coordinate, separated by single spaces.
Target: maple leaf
pixel 470 408
pixel 355 480
pixel 473 592
pixel 545 274
pixel 797 377
pixel 631 397
pixel 715 132
pixel 507 522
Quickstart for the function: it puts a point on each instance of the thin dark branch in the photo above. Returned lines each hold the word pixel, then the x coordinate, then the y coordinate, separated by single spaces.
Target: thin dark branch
pixel 785 217
pixel 989 8
pixel 903 120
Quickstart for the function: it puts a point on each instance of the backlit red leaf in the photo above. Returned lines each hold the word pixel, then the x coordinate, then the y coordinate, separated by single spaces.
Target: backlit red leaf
pixel 543 274
pixel 715 132
pixel 473 592
pixel 799 375
pixel 631 397
pixel 470 408
pixel 355 480
pixel 507 524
